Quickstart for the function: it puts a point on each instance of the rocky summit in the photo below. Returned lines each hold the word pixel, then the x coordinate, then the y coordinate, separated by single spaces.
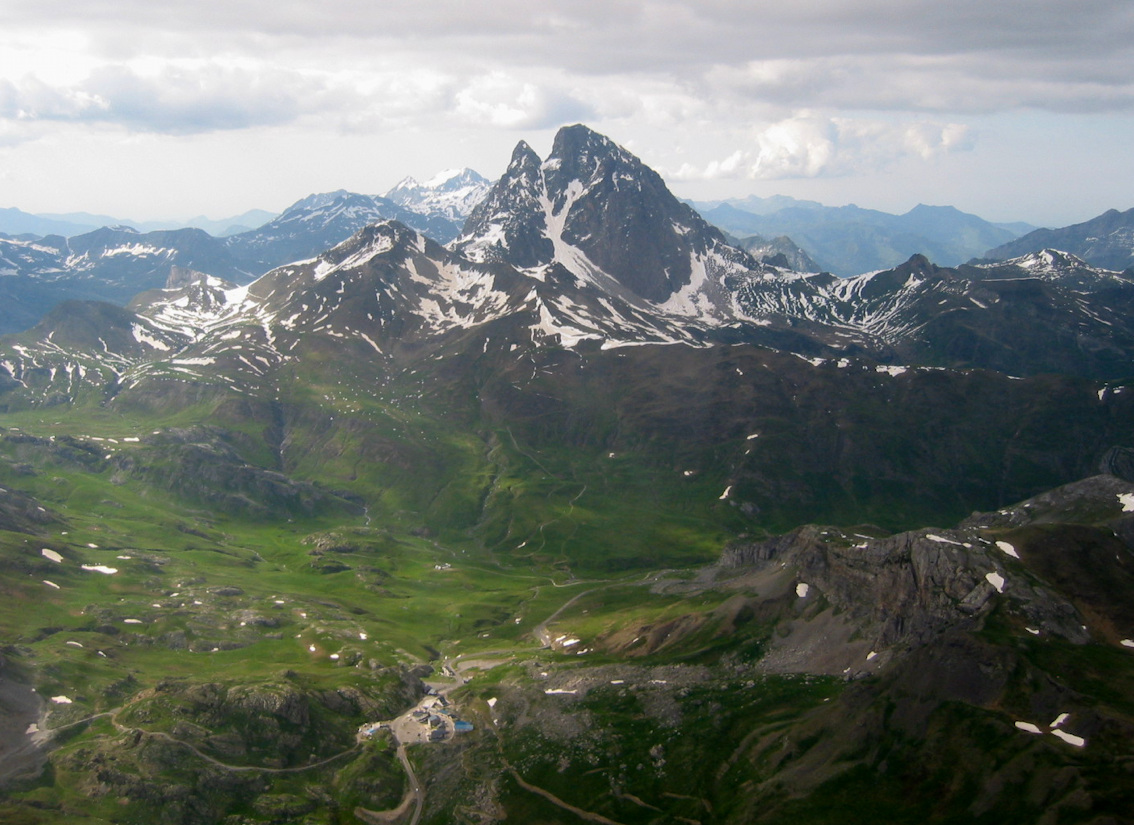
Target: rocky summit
pixel 577 513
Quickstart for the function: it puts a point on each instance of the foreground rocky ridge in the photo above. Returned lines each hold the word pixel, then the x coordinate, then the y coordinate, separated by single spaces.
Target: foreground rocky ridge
pixel 955 663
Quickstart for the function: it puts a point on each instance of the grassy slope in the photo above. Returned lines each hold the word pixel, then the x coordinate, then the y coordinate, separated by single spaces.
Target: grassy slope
pixel 516 482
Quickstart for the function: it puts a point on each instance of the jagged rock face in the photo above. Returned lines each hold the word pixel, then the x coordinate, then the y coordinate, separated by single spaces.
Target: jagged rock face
pixel 602 213
pixel 388 283
pixel 1056 562
pixel 256 700
pixel 510 224
pixel 904 590
pixel 620 213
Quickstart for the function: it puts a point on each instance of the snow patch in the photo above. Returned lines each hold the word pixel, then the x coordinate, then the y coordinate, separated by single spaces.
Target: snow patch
pixel 51 555
pixel 1029 727
pixel 1070 738
pixel 802 590
pixel 61 700
pixel 101 568
pixel 996 580
pixel 1008 548
pixel 560 692
pixel 1127 502
pixel 143 336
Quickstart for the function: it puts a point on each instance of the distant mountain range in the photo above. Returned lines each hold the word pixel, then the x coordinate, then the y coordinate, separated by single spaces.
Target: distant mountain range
pixel 114 263
pixel 449 195
pixel 849 240
pixel 16 222
pixel 588 248
pixel 1106 241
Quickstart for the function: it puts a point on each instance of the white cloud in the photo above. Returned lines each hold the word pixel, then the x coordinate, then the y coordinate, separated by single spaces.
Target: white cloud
pixel 812 90
pixel 831 53
pixel 174 100
pixel 497 99
pixel 810 145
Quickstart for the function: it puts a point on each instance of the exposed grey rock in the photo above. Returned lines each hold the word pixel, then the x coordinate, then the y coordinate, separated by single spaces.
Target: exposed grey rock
pixel 898 592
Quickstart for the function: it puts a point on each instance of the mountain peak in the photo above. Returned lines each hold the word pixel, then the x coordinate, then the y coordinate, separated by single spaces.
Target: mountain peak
pixel 523 157
pixel 451 194
pixel 608 218
pixel 509 223
pixel 577 139
pixel 453 178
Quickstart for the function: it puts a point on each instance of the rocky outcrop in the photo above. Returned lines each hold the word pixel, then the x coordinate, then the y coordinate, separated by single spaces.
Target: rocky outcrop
pixel 1119 462
pixel 199 465
pixel 894 593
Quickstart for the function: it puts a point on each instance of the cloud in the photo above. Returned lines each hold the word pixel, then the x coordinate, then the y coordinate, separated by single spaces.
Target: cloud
pixel 499 100
pixel 926 83
pixel 811 91
pixel 810 146
pixel 193 98
pixel 205 99
pixel 175 99
pixel 960 56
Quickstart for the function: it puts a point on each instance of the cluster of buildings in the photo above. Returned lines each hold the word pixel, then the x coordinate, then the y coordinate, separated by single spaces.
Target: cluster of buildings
pixel 433 720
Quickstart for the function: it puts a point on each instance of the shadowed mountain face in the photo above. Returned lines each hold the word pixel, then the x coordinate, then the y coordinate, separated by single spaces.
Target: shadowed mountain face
pixel 1106 241
pixel 599 211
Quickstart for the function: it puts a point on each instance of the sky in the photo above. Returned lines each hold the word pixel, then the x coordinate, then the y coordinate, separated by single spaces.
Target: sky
pixel 1015 110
